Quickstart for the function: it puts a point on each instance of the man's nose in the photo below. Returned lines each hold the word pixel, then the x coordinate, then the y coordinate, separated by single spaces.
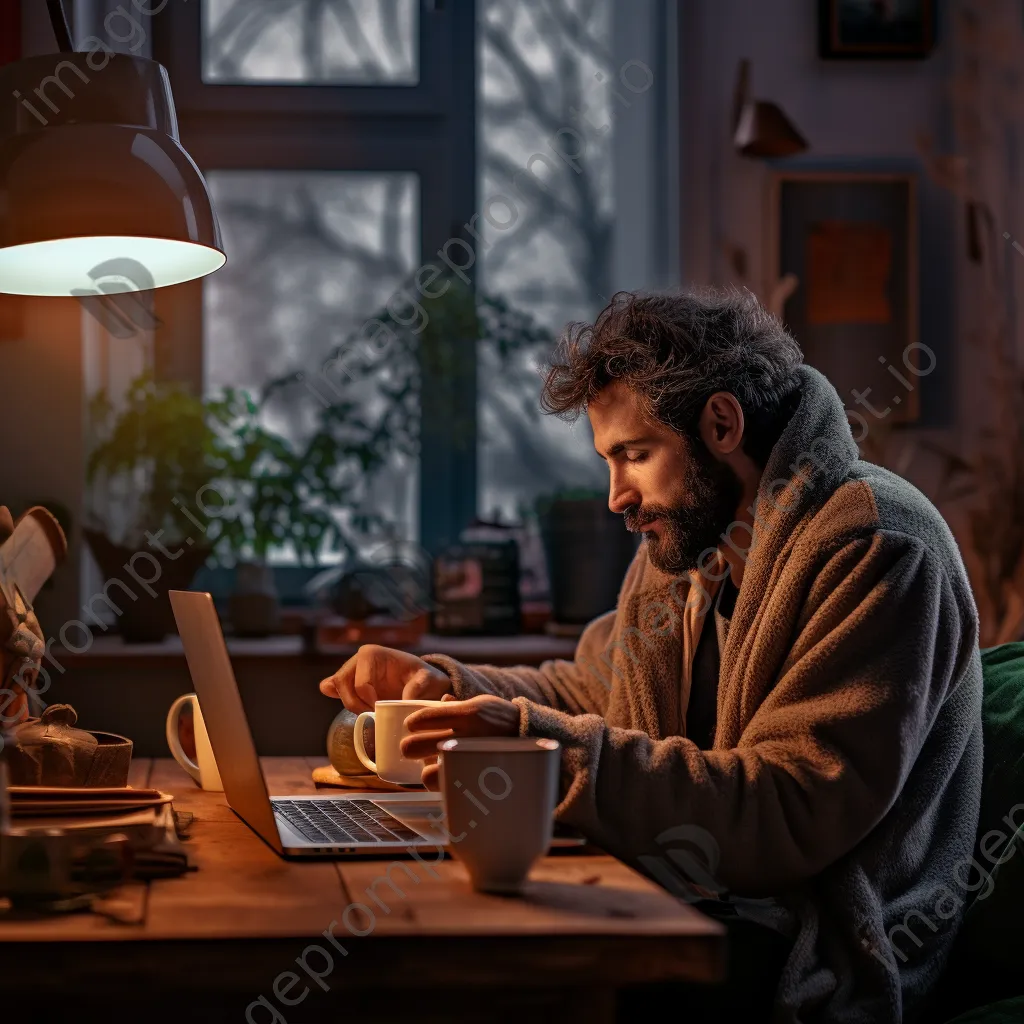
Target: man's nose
pixel 621 496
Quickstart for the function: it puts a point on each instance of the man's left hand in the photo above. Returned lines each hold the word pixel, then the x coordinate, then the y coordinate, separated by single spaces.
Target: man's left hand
pixel 483 715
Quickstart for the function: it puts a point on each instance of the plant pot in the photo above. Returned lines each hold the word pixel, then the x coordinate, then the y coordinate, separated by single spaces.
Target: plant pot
pixel 254 607
pixel 588 550
pixel 139 595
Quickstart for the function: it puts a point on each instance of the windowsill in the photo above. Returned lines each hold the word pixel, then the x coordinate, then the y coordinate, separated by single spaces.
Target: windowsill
pixel 525 649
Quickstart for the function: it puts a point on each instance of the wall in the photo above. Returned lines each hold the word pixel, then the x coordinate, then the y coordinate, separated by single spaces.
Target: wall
pixel 41 457
pixel 861 115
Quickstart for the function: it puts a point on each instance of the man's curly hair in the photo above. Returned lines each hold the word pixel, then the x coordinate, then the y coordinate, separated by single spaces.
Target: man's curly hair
pixel 675 350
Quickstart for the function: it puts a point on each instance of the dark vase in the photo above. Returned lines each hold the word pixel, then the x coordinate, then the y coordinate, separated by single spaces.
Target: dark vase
pixel 146 618
pixel 588 550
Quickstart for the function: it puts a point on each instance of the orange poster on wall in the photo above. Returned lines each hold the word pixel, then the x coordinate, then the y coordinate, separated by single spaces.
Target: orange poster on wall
pixel 849 265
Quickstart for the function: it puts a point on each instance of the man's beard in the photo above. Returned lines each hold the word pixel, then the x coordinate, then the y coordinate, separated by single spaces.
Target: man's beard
pixel 713 492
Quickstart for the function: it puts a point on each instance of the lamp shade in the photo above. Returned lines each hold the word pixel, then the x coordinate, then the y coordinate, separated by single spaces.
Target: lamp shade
pixel 96 192
pixel 761 128
pixel 764 130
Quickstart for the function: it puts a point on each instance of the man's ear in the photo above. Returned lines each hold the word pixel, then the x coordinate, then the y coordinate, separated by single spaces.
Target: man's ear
pixel 722 423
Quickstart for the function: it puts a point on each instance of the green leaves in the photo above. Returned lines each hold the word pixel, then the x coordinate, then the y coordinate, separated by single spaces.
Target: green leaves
pixel 260 490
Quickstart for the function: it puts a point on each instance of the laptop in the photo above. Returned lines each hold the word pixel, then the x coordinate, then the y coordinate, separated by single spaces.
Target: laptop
pixel 346 824
pixel 342 825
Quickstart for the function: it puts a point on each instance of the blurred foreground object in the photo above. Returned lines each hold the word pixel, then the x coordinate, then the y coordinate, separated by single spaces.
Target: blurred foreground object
pixel 30 550
pixel 50 751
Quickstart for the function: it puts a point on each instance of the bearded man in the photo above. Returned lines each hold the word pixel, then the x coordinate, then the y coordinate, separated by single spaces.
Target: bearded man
pixel 791 674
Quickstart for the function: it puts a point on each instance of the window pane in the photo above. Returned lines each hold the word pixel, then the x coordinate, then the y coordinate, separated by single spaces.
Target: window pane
pixel 545 137
pixel 340 42
pixel 312 256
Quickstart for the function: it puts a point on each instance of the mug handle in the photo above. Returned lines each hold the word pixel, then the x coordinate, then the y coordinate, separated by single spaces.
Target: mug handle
pixel 357 740
pixel 174 740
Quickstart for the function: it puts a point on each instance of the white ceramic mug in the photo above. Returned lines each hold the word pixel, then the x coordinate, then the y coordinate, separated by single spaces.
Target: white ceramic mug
pixel 389 729
pixel 500 794
pixel 206 772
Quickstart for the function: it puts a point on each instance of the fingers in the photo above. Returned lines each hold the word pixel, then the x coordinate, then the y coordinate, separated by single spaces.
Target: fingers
pixel 427 683
pixel 328 688
pixel 345 684
pixel 431 777
pixel 437 718
pixel 423 744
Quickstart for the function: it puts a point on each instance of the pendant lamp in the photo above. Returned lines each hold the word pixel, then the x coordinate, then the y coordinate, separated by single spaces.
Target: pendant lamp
pixel 96 192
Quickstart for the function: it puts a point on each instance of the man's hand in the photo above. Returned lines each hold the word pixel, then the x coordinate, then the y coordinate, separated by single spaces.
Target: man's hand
pixel 376 673
pixel 483 715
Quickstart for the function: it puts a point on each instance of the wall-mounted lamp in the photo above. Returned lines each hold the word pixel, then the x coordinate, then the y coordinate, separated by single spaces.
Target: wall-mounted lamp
pixel 760 128
pixel 93 180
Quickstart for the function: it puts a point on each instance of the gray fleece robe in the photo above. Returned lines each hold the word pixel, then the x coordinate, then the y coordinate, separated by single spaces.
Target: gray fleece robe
pixel 844 780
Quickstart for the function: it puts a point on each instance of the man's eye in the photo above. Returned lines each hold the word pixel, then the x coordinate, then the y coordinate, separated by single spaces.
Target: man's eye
pixel 636 456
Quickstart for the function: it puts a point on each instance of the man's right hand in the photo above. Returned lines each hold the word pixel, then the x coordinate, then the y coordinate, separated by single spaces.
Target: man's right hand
pixel 376 673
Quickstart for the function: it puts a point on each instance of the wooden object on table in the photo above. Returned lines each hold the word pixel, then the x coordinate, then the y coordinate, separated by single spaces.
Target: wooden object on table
pixel 51 801
pixel 218 940
pixel 50 751
pixel 328 775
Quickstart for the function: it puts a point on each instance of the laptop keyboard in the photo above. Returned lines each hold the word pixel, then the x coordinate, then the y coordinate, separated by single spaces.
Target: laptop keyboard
pixel 344 821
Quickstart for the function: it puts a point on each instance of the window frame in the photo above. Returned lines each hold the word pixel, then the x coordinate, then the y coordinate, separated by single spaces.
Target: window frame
pixel 180 32
pixel 428 129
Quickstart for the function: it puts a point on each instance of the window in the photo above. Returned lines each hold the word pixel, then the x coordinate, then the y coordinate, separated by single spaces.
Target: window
pixel 545 139
pixel 313 253
pixel 337 139
pixel 347 141
pixel 357 42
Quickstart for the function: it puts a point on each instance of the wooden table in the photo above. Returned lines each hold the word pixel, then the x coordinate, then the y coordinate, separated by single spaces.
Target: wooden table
pixel 209 945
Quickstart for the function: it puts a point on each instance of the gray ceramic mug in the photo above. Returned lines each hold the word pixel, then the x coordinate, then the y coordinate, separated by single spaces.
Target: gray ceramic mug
pixel 499 802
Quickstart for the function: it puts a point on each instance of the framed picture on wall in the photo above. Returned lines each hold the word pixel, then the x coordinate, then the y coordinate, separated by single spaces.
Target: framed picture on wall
pixel 851 241
pixel 861 29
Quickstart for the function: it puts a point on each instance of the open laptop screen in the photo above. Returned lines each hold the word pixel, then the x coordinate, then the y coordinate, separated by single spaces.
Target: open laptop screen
pixel 223 713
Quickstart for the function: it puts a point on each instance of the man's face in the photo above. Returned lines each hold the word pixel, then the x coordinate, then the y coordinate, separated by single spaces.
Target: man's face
pixel 671 489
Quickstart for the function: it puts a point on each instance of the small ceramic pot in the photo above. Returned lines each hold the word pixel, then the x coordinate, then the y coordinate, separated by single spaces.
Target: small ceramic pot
pixel 50 751
pixel 340 748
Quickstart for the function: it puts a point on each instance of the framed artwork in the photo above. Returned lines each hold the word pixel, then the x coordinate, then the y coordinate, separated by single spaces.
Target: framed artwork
pixel 851 241
pixel 858 29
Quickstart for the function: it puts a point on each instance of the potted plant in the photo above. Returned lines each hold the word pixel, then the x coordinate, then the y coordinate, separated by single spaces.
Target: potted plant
pixel 176 480
pixel 588 551
pixel 277 495
pixel 211 478
pixel 146 459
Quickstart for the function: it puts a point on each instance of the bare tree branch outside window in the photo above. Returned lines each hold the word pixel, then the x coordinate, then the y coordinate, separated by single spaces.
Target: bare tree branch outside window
pixel 542 68
pixel 312 254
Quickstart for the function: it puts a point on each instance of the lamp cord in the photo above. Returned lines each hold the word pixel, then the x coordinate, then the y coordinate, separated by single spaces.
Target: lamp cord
pixel 61 30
